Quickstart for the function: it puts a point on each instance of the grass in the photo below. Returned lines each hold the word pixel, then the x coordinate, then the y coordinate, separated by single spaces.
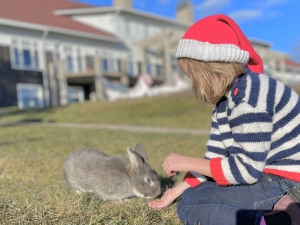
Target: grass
pixel 32 188
pixel 175 111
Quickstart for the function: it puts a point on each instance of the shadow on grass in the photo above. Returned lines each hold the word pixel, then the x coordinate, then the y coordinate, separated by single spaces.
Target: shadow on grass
pixel 14 111
pixel 18 141
pixel 166 183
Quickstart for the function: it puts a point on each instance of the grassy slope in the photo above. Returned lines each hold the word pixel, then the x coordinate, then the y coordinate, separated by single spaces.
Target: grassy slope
pixel 32 189
pixel 176 111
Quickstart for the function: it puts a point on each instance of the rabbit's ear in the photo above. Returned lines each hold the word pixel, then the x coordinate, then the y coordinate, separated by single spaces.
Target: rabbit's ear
pixel 134 158
pixel 141 151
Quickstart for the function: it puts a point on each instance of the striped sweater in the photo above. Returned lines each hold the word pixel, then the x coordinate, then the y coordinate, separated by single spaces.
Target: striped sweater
pixel 255 130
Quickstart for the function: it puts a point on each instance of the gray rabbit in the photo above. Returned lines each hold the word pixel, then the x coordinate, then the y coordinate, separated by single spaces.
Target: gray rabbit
pixel 112 178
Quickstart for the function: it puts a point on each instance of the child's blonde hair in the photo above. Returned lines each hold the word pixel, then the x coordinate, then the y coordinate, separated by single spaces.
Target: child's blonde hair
pixel 212 80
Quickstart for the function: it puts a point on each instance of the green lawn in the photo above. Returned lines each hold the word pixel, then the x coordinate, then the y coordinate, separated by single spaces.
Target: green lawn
pixel 32 189
pixel 175 111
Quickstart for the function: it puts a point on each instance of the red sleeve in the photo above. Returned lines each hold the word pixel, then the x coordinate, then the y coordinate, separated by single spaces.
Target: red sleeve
pixel 191 180
pixel 217 172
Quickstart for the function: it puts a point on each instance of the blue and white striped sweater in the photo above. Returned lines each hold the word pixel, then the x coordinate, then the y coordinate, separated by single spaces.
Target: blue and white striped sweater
pixel 255 129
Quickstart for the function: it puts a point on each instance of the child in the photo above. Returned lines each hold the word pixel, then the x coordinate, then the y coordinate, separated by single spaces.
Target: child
pixel 253 155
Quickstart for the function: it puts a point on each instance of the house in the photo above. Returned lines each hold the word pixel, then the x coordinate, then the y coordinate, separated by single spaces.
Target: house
pixel 291 73
pixel 53 52
pixel 38 49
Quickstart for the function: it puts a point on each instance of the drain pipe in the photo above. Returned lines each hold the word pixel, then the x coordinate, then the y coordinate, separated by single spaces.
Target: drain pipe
pixel 45 70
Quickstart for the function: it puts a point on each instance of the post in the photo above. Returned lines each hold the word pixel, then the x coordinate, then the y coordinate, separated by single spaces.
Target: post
pixel 124 79
pixel 62 83
pixel 98 73
pixel 53 85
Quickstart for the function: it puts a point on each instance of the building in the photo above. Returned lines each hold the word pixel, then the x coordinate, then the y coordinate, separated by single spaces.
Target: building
pixel 52 52
pixel 277 64
pixel 40 52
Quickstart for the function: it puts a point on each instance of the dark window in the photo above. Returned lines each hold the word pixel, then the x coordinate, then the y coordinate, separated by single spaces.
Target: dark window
pixel 149 68
pixel 119 66
pixel 89 63
pixel 27 60
pixel 69 64
pixel 129 68
pixel 139 67
pixel 105 65
pixel 159 70
pixel 36 59
pixel 79 63
pixel 17 60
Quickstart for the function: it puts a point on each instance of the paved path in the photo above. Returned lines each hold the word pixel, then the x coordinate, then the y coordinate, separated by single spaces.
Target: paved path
pixel 131 128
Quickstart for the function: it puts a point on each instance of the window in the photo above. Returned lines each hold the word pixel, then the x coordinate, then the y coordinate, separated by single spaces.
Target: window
pixel 149 69
pixel 110 65
pixel 36 58
pixel 69 63
pixel 105 65
pixel 69 59
pixel 89 63
pixel 129 68
pixel 128 29
pixel 75 94
pixel 30 96
pixel 159 70
pixel 24 55
pixel 16 57
pixel 79 61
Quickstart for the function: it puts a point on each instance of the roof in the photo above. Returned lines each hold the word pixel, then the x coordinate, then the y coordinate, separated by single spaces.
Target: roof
pixel 292 63
pixel 94 10
pixel 40 12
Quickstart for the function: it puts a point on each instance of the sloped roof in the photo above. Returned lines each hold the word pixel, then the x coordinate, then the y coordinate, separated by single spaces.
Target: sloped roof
pixel 107 9
pixel 41 12
pixel 292 63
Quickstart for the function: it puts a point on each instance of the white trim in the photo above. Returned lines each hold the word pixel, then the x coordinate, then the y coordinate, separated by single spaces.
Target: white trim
pixel 33 26
pixel 207 52
pixel 81 11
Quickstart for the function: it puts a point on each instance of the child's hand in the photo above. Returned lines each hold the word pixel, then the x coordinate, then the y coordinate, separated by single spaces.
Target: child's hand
pixel 166 200
pixel 175 163
pixel 170 195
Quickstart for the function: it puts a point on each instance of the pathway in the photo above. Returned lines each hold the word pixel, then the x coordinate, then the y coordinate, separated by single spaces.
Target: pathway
pixel 130 128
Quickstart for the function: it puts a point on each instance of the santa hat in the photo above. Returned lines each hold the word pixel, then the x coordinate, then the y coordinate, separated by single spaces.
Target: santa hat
pixel 218 38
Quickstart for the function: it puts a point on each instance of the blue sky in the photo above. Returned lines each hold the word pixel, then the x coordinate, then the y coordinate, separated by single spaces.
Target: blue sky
pixel 273 21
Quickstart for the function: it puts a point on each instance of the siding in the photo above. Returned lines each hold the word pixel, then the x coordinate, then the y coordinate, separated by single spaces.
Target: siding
pixel 9 78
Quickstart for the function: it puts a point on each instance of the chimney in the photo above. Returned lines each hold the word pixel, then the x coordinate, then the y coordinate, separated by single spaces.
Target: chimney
pixel 185 12
pixel 123 3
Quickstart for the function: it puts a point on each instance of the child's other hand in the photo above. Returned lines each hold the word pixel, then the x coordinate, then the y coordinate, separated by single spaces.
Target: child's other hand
pixel 175 163
pixel 166 200
pixel 170 195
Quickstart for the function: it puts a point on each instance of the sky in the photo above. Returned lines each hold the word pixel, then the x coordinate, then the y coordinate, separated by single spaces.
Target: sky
pixel 274 21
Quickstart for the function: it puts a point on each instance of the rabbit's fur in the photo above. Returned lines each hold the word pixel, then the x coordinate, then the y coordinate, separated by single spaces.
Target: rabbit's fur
pixel 112 178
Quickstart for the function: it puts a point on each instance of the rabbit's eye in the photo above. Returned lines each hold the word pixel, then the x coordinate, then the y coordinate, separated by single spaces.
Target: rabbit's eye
pixel 148 180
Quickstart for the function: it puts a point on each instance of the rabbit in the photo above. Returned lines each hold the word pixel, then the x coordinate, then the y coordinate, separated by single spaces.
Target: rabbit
pixel 112 178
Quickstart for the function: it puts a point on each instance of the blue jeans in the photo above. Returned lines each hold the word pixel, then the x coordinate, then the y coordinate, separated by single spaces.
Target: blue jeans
pixel 210 204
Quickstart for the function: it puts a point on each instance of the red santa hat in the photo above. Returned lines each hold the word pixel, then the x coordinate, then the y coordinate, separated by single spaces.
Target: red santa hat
pixel 218 38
